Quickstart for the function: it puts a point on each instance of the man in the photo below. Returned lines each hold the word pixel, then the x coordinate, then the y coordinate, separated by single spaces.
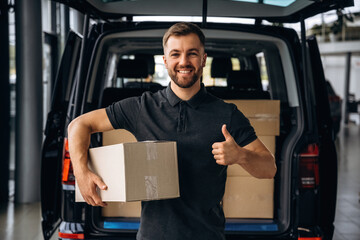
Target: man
pixel 210 135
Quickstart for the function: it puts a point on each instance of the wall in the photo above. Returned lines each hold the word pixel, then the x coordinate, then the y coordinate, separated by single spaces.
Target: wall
pixel 334 68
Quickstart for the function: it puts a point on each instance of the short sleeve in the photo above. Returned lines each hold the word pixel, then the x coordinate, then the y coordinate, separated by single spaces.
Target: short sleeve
pixel 241 129
pixel 124 114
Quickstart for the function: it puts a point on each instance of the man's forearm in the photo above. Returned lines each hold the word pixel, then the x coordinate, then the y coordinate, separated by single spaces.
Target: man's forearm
pixel 258 164
pixel 79 134
pixel 79 141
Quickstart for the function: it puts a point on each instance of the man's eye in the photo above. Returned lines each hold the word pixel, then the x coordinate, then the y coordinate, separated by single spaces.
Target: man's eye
pixel 193 54
pixel 174 55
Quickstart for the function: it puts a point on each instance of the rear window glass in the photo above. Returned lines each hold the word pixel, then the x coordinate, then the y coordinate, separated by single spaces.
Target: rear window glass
pixel 220 82
pixel 161 76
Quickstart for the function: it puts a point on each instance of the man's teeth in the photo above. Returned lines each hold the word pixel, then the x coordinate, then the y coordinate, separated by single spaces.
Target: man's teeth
pixel 184 71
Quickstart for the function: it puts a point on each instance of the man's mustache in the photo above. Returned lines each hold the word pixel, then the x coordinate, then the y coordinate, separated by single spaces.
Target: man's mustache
pixel 185 67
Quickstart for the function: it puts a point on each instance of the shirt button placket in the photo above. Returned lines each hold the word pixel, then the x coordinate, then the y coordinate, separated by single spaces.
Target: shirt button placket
pixel 181 119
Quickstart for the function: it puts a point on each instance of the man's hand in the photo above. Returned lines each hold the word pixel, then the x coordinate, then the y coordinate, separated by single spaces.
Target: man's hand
pixel 79 132
pixel 255 158
pixel 88 182
pixel 227 152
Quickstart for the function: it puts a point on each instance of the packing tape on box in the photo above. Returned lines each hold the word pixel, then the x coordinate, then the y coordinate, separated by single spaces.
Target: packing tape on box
pixel 151 187
pixel 264 115
pixel 151 151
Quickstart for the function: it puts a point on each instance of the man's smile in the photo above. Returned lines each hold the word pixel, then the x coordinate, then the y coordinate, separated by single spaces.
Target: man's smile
pixel 185 70
pixel 182 71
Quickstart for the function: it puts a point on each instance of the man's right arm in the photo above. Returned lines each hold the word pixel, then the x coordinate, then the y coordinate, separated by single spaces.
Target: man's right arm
pixel 79 133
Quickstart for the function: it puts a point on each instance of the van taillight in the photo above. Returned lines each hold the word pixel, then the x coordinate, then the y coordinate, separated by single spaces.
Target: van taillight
pixel 71 235
pixel 309 167
pixel 334 99
pixel 68 177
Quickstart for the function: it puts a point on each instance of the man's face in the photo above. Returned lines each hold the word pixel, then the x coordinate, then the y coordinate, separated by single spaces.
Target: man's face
pixel 184 58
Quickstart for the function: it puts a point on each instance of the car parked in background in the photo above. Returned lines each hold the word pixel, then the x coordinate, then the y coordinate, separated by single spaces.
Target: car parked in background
pixel 245 61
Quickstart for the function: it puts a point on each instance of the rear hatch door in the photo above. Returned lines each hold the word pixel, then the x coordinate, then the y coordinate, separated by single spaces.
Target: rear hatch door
pixel 271 10
pixel 327 149
pixel 52 151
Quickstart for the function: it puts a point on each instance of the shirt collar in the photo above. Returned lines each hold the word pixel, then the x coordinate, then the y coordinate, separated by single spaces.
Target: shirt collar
pixel 193 102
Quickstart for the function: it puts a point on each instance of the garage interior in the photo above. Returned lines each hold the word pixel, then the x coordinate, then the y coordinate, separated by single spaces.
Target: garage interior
pixel 20 215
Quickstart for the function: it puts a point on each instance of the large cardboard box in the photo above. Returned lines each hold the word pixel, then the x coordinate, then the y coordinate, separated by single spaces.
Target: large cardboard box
pixel 122 209
pixel 136 171
pixel 262 114
pixel 269 142
pixel 249 197
pixel 246 196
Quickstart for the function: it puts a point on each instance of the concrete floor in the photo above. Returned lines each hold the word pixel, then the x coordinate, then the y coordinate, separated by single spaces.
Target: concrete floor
pixel 22 221
pixel 347 219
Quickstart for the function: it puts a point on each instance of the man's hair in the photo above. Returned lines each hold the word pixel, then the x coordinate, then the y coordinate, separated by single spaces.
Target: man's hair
pixel 183 29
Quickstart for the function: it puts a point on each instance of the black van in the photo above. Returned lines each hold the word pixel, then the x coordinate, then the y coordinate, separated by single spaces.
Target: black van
pixel 117 57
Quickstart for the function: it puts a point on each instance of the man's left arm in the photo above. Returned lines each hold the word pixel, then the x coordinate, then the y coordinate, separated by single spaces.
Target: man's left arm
pixel 254 157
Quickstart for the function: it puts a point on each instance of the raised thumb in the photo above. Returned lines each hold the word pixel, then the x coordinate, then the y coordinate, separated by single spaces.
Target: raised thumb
pixel 226 133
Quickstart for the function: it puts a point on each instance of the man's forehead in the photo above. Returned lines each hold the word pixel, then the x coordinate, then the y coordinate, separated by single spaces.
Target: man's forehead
pixel 192 42
pixel 189 49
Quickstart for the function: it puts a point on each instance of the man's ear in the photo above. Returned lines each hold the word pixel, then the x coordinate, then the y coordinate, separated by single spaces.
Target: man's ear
pixel 165 62
pixel 204 60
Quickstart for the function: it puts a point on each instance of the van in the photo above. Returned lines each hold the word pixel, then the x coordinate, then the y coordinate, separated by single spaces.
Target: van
pixel 117 57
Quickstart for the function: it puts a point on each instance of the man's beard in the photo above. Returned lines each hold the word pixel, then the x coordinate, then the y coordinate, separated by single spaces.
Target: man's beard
pixel 185 84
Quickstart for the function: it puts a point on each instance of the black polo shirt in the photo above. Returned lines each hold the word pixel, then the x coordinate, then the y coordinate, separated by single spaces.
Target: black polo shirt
pixel 195 125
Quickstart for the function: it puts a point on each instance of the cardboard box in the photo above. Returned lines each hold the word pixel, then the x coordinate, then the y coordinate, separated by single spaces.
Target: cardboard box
pixel 249 197
pixel 117 136
pixel 237 170
pixel 262 114
pixel 246 196
pixel 258 108
pixel 269 142
pixel 122 209
pixel 136 171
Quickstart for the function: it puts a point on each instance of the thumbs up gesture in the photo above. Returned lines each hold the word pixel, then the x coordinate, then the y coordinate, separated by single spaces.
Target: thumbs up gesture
pixel 227 152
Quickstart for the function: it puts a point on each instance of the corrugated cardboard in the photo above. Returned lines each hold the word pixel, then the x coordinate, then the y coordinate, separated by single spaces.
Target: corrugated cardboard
pixel 237 170
pixel 262 114
pixel 269 142
pixel 120 209
pixel 136 171
pixel 248 197
pixel 265 126
pixel 117 136
pixel 258 108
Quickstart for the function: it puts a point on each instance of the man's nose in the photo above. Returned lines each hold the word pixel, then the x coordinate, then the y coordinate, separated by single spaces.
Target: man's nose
pixel 184 60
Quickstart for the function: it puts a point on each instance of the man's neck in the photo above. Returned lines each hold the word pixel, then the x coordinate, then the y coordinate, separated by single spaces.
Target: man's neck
pixel 185 94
